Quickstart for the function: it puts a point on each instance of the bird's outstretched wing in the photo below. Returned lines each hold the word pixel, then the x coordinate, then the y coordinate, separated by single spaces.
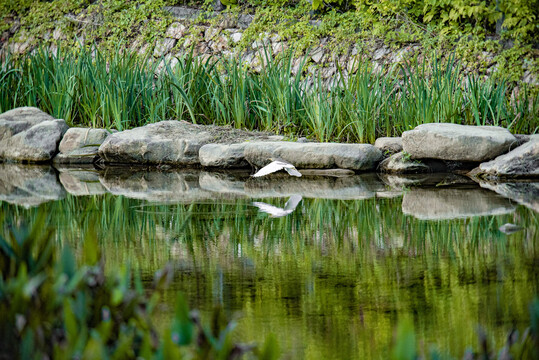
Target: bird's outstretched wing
pixel 270 168
pixel 276 166
pixel 292 171
pixel 269 209
pixel 293 202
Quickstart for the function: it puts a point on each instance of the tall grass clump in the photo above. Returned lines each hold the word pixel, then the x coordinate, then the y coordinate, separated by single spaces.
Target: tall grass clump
pixel 122 90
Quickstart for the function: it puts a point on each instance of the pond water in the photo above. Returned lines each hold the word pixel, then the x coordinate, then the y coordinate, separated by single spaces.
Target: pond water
pixel 333 276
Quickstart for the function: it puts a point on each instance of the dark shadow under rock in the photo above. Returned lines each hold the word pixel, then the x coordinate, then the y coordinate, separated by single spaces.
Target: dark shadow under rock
pixel 401 163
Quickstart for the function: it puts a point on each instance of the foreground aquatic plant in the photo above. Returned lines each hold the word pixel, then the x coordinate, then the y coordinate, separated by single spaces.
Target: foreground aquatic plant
pixel 50 307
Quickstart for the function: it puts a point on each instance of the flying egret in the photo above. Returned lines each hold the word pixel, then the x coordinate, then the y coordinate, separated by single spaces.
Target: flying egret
pixel 277 165
pixel 509 228
pixel 276 212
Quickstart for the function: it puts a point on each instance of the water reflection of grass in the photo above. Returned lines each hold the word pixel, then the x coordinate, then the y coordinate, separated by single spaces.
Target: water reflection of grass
pixel 332 275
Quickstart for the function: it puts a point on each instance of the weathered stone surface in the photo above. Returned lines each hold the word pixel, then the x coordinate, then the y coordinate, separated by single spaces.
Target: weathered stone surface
pixel 521 162
pixel 20 119
pixel 400 163
pixel 524 193
pixel 169 142
pixel 223 155
pixel 389 145
pixel 29 185
pixel 28 134
pixel 176 31
pixel 80 146
pixel 315 155
pixel 227 155
pixel 81 181
pixel 453 203
pixel 457 142
pixel 327 172
pixel 523 138
pixel 163 46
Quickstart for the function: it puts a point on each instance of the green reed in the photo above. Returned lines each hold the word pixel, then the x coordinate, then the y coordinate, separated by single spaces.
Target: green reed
pixel 122 90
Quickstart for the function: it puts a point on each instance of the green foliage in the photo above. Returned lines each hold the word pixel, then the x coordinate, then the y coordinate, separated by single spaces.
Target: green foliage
pixel 52 308
pixel 123 91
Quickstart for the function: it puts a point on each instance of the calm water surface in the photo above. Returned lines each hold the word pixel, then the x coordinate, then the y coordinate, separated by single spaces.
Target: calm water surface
pixel 332 278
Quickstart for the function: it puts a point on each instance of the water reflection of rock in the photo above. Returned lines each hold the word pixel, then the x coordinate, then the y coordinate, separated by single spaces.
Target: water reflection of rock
pixel 195 185
pixel 356 187
pixel 452 203
pixel 155 186
pixel 81 181
pixel 29 185
pixel 525 193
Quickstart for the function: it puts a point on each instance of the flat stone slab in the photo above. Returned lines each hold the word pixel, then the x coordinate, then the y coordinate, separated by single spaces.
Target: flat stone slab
pixel 29 185
pixel 226 156
pixel 80 146
pixel 457 142
pixel 176 143
pixel 523 162
pixel 29 135
pixel 454 203
pixel 359 157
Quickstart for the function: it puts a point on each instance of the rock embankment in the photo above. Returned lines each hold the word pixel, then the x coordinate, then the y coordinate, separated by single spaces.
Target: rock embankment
pixel 29 135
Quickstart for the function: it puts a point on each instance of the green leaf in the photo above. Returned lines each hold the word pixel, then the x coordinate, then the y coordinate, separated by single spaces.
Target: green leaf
pixel 405 345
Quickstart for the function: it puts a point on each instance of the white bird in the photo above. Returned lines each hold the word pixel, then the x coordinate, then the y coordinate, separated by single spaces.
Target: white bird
pixel 277 165
pixel 509 228
pixel 276 212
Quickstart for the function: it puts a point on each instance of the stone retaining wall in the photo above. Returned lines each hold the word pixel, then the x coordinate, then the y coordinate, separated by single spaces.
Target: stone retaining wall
pixel 223 38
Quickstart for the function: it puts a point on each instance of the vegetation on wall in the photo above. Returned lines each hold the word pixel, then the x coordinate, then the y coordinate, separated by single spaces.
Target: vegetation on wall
pixel 507 30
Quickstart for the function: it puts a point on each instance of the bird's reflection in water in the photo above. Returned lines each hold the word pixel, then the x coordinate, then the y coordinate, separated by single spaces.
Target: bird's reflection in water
pixel 276 212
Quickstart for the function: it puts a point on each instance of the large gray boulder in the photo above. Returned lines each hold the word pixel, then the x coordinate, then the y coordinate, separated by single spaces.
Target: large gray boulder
pixel 360 157
pixel 29 135
pixel 519 163
pixel 457 142
pixel 168 142
pixel 20 119
pixel 80 146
